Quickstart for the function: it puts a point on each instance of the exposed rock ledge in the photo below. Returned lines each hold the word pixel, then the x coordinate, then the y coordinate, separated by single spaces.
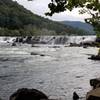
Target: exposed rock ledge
pixel 94 94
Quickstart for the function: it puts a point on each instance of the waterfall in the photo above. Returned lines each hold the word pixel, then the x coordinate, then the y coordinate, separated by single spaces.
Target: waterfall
pixel 50 40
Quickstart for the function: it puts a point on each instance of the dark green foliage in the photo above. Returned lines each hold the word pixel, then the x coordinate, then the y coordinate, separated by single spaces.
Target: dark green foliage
pixel 16 20
pixel 91 7
pixel 80 25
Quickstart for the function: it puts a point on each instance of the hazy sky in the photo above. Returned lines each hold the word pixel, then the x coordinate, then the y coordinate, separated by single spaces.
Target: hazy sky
pixel 41 6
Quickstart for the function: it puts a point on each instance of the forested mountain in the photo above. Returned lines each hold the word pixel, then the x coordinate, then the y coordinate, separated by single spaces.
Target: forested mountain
pixel 16 20
pixel 80 25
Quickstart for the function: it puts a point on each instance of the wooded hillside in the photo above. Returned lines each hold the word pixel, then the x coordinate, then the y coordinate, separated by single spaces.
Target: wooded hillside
pixel 17 20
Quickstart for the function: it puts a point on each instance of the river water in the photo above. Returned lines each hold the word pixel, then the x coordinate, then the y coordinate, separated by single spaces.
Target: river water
pixel 58 74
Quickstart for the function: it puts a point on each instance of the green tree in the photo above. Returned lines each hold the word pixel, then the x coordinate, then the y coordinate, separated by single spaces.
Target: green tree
pixel 91 7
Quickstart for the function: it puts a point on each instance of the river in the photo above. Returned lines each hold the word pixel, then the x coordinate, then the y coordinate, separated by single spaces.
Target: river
pixel 58 73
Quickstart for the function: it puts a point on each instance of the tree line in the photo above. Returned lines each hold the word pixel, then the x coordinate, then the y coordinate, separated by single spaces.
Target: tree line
pixel 16 20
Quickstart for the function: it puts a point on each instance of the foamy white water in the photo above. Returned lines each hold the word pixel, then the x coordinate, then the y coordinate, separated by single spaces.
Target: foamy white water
pixel 51 40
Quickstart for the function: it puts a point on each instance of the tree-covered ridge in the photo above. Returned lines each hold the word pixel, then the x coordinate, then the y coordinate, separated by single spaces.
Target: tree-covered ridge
pixel 80 25
pixel 91 7
pixel 16 20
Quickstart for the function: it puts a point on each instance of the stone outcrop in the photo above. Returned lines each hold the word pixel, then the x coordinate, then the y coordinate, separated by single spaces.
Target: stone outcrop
pixel 95 82
pixel 28 94
pixel 94 94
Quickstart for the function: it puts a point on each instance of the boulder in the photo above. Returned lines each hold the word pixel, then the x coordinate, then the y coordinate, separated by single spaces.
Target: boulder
pixel 95 82
pixel 75 96
pixel 28 94
pixel 93 94
pixel 29 40
pixel 21 40
pixel 93 98
pixel 94 57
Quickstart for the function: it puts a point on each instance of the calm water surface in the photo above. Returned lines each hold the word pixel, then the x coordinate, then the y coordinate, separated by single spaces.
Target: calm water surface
pixel 60 72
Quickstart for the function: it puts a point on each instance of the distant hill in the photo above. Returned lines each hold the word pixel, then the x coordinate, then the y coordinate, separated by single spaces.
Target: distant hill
pixel 80 25
pixel 17 20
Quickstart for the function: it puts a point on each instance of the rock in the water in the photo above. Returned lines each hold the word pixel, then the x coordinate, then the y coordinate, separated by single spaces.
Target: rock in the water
pixel 42 55
pixel 28 94
pixel 75 96
pixel 95 82
pixel 93 98
pixel 13 44
pixel 94 57
pixel 93 94
pixel 29 40
pixel 34 53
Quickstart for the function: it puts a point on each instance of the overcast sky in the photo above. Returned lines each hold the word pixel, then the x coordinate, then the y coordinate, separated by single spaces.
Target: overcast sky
pixel 41 6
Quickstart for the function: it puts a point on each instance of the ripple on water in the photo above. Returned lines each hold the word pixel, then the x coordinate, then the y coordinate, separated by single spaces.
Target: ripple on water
pixel 65 71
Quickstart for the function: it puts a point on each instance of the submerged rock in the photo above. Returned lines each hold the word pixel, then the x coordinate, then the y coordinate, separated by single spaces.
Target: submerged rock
pixel 4 59
pixel 34 53
pixel 28 94
pixel 85 46
pixel 13 44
